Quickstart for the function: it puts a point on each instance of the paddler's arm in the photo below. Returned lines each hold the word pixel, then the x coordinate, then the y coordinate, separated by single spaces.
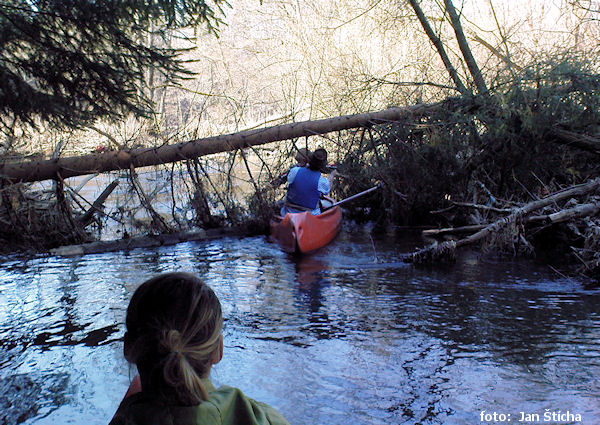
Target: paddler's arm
pixel 278 181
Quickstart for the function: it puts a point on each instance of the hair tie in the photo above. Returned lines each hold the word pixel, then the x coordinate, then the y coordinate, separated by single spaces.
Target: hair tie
pixel 173 342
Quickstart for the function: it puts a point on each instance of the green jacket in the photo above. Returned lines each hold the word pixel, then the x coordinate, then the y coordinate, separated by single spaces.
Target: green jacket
pixel 225 406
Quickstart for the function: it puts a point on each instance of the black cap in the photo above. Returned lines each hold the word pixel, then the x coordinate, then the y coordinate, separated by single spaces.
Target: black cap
pixel 318 160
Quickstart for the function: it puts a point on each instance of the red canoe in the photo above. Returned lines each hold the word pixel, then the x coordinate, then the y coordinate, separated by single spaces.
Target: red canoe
pixel 304 232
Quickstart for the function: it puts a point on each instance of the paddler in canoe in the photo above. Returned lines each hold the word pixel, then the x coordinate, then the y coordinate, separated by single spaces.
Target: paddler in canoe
pixel 308 219
pixel 306 185
pixel 302 227
pixel 302 157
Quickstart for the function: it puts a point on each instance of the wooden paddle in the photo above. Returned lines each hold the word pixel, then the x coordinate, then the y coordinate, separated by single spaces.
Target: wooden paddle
pixel 358 195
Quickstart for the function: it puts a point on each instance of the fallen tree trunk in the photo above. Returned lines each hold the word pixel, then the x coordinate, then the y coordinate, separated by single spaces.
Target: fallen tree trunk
pixel 447 249
pixel 31 171
pixel 578 211
pixel 149 241
pixel 583 210
pixel 56 168
pixel 580 141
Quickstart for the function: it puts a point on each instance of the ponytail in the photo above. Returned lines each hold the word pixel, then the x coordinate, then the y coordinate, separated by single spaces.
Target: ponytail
pixel 177 369
pixel 174 326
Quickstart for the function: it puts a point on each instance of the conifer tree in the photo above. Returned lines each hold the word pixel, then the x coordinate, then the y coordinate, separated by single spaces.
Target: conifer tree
pixel 69 62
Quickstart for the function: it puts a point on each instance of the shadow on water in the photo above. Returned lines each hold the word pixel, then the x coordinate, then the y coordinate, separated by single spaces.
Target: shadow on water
pixel 24 396
pixel 42 312
pixel 347 335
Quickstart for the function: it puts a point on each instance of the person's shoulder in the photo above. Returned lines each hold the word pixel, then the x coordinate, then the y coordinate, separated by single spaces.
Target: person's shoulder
pixel 292 173
pixel 324 185
pixel 235 407
pixel 143 409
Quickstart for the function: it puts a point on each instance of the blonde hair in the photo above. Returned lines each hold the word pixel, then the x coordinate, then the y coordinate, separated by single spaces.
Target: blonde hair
pixel 174 323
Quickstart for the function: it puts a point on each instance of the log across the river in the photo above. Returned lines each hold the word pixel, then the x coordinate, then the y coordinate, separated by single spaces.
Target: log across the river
pixel 150 241
pixel 30 171
pixel 57 168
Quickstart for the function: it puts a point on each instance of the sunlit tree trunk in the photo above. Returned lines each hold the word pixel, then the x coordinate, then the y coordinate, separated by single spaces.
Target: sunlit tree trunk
pixel 30 171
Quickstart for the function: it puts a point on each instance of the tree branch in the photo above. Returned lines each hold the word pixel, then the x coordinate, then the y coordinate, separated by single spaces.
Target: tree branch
pixel 464 48
pixel 439 47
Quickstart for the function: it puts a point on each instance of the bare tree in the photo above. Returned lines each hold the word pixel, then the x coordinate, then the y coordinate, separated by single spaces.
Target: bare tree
pixel 464 48
pixel 439 47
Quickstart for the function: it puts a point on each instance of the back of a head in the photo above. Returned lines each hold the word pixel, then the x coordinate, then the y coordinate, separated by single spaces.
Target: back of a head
pixel 318 160
pixel 174 323
pixel 303 156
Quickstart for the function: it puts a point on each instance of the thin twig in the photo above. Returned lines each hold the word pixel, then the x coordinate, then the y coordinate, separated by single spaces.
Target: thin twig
pixel 373 246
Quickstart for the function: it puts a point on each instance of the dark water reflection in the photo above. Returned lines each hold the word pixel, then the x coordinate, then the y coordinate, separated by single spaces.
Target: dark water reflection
pixel 332 338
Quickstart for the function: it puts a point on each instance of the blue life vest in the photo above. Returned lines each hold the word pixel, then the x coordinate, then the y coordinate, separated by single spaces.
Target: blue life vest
pixel 304 190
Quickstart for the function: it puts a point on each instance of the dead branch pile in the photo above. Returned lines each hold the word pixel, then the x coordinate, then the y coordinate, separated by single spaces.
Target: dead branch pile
pixel 589 253
pixel 37 219
pixel 515 231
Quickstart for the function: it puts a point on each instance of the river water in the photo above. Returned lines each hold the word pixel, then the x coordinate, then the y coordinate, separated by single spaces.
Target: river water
pixel 348 335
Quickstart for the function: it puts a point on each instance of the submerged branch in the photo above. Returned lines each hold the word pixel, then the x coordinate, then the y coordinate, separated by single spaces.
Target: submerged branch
pixel 446 250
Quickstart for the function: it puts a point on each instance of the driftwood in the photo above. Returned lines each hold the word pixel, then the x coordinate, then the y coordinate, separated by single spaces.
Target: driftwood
pixel 83 183
pixel 38 170
pixel 158 222
pixel 149 241
pixel 87 217
pixel 454 230
pixel 583 210
pixel 483 207
pixel 446 250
